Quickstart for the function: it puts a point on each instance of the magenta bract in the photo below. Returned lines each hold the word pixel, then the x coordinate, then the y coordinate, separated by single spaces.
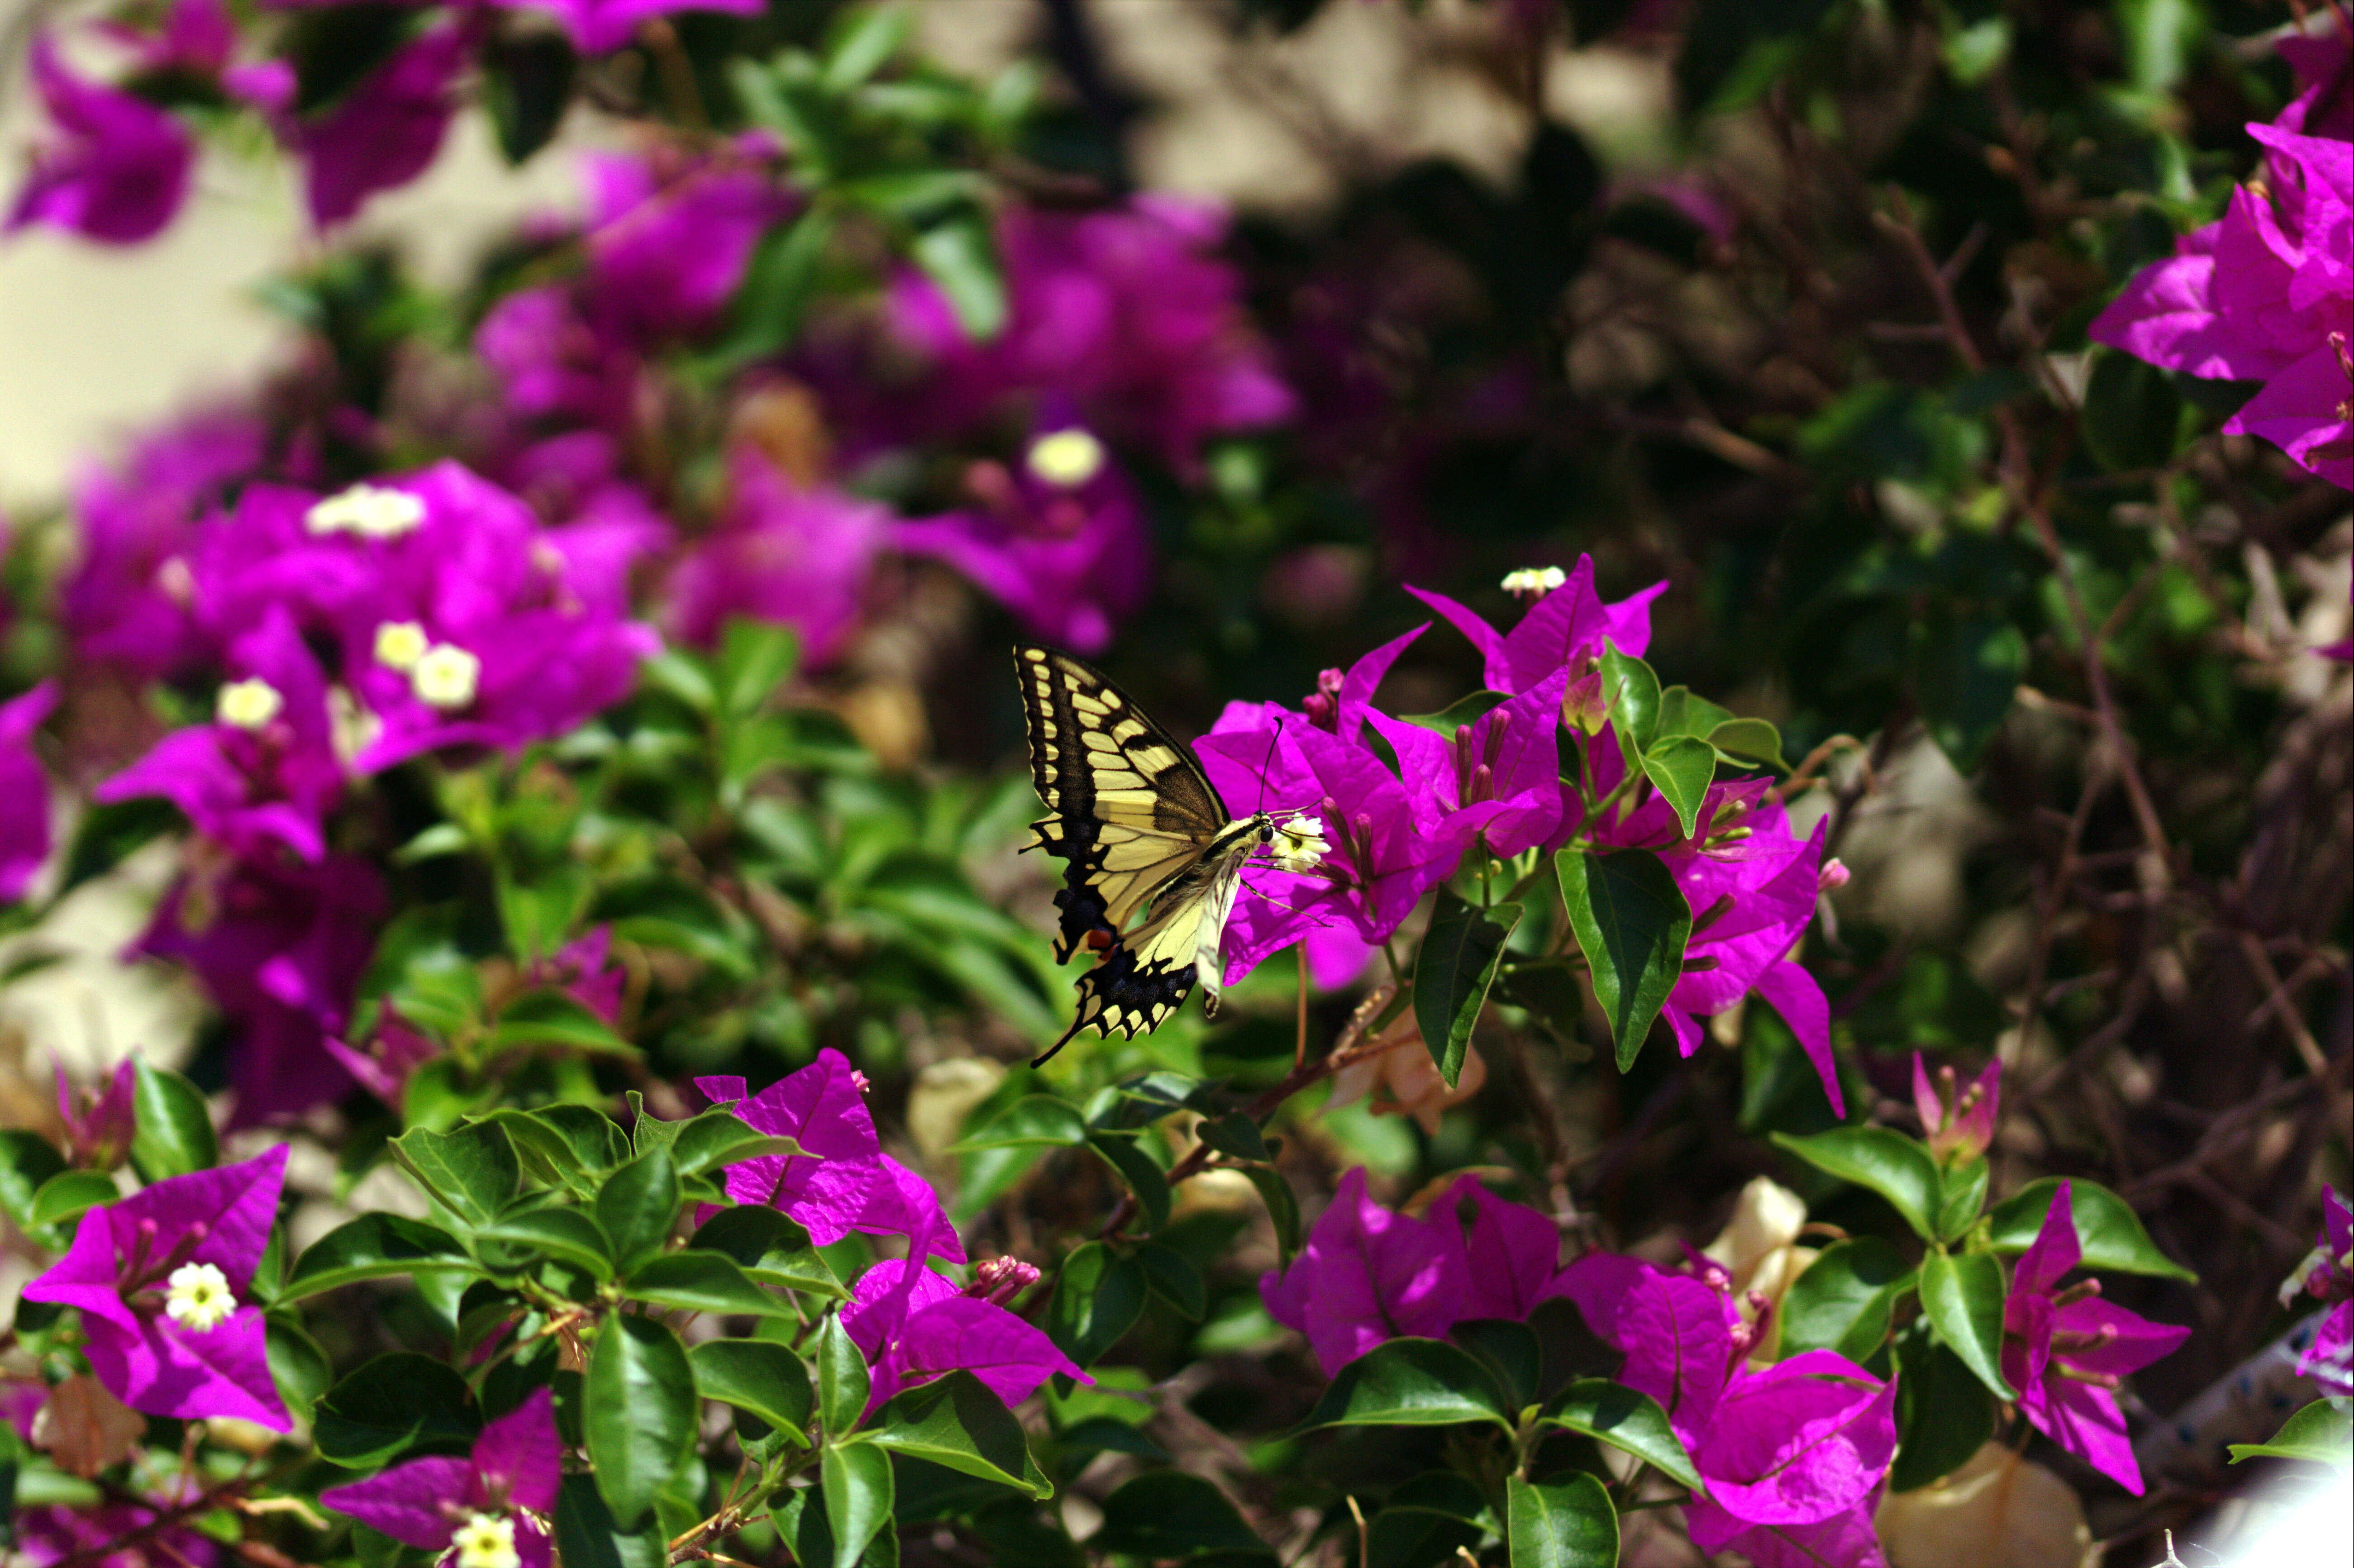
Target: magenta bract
pixel 514 1472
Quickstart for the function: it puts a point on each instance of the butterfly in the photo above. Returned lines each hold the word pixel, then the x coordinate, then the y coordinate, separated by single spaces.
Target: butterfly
pixel 1136 822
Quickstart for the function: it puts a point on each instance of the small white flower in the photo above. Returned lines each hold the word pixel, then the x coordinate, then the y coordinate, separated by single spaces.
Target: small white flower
pixel 198 1297
pixel 1535 581
pixel 446 676
pixel 371 510
pixel 400 644
pixel 487 1540
pixel 1298 844
pixel 1065 459
pixel 248 704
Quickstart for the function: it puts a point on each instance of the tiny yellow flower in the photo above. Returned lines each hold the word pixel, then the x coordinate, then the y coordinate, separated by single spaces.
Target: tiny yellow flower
pixel 446 676
pixel 371 510
pixel 1534 581
pixel 400 644
pixel 198 1297
pixel 485 1541
pixel 247 705
pixel 1065 459
pixel 1298 844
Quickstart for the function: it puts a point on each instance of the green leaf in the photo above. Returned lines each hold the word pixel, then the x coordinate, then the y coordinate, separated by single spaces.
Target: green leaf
pixel 843 1381
pixel 956 1421
pixel 765 1379
pixel 297 1365
pixel 1140 1171
pixel 27 1161
pixel 1234 1135
pixel 69 1195
pixel 1509 1350
pixel 1681 768
pixel 175 1133
pixel 1892 1165
pixel 1631 923
pixel 546 1017
pixel 856 1480
pixel 390 1406
pixel 566 1144
pixel 1173 1278
pixel 1168 1513
pixel 638 1414
pixel 722 1137
pixel 2107 1230
pixel 2322 1432
pixel 1452 974
pixel 373 1246
pixel 1634 694
pixel 958 255
pixel 1282 1207
pixel 1681 712
pixel 1411 1383
pixel 702 1282
pixel 1567 1523
pixel 588 1538
pixel 769 1248
pixel 755 658
pixel 2132 416
pixel 861 41
pixel 563 1234
pixel 471 1169
pixel 1748 740
pixel 638 1204
pixel 1609 1412
pixel 1460 714
pixel 1098 1296
pixel 1846 1298
pixel 1963 1298
pixel 766 314
pixel 527 85
pixel 1961 1195
pixel 1944 1413
pixel 1040 1119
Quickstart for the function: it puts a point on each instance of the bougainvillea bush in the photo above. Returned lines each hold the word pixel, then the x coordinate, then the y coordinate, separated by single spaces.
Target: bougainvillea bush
pixel 1794 624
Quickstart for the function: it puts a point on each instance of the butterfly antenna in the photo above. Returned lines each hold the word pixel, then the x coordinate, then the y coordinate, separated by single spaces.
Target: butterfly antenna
pixel 1264 763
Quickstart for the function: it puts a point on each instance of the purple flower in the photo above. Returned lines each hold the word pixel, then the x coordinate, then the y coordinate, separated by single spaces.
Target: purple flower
pixel 1367 1273
pixel 159 1280
pixel 487 1505
pixel 99 1127
pixel 2329 1273
pixel 94 1535
pixel 1341 701
pixel 913 1325
pixel 2065 1350
pixel 668 242
pixel 844 1182
pixel 782 554
pixel 1565 628
pixel 265 770
pixel 2267 291
pixel 1791 1457
pixel 582 969
pixel 387 131
pixel 383 1069
pixel 1062 544
pixel 597 26
pixel 1958 1126
pixel 120 167
pixel 24 791
pixel 279 948
pixel 1500 778
pixel 1512 1254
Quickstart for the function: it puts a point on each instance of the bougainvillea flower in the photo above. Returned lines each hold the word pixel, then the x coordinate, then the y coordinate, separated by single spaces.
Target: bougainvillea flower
pixel 582 970
pixel 1957 1122
pixel 387 131
pixel 913 1325
pixel 1498 778
pixel 1847 1538
pixel 160 1280
pixel 597 26
pixel 487 1505
pixel 1682 1336
pixel 1563 629
pixel 2065 1350
pixel 120 166
pixel 279 948
pixel 551 363
pixel 265 770
pixel 2329 1360
pixel 1066 550
pixel 1512 1254
pixel 844 1182
pixel 668 241
pixel 1367 1273
pixel 1341 701
pixel 99 1124
pixel 24 791
pixel 799 557
pixel 95 1535
pixel 383 1068
pixel 1800 1441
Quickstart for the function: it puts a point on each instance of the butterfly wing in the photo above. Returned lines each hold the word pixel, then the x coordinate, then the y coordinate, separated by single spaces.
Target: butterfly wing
pixel 1146 977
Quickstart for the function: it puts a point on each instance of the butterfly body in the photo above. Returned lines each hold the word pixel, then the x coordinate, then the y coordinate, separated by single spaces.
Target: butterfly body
pixel 1136 823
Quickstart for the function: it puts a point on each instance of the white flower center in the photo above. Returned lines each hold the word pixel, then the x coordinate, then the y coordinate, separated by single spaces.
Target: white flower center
pixel 247 705
pixel 1065 459
pixel 446 676
pixel 1298 844
pixel 485 1542
pixel 1539 580
pixel 198 1297
pixel 400 644
pixel 371 510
